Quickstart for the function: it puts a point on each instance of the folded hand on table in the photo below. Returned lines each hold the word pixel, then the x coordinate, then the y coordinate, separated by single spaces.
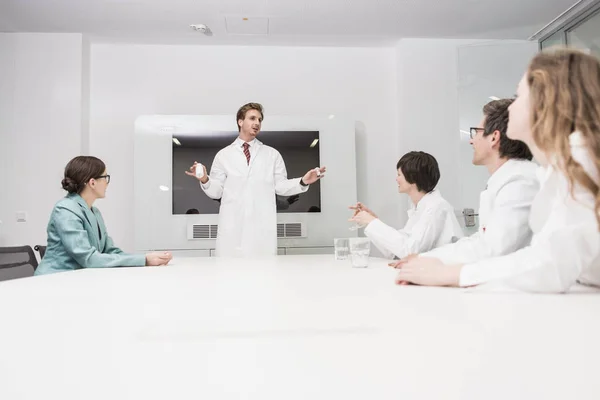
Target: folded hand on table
pixel 428 271
pixel 156 259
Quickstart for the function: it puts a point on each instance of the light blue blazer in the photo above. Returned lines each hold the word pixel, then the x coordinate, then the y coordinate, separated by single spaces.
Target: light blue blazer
pixel 77 238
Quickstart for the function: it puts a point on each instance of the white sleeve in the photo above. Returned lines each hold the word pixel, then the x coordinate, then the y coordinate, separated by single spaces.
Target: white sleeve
pixel 552 263
pixel 506 231
pixel 421 237
pixel 216 179
pixel 283 185
pixel 379 233
pixel 455 252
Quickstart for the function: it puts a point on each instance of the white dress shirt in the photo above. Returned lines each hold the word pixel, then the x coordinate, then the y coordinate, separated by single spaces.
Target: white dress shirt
pixel 565 248
pixel 431 223
pixel 504 208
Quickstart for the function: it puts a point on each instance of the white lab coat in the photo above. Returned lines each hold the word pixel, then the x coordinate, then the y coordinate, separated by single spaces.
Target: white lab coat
pixel 248 216
pixel 565 248
pixel 431 223
pixel 504 208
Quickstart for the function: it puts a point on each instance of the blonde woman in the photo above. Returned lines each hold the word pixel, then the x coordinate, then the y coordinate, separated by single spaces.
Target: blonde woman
pixel 557 114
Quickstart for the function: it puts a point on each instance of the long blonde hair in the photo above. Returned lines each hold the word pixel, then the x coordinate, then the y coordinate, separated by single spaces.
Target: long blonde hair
pixel 564 89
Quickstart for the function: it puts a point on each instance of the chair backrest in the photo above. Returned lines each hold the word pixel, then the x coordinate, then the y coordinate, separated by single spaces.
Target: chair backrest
pixel 40 249
pixel 17 262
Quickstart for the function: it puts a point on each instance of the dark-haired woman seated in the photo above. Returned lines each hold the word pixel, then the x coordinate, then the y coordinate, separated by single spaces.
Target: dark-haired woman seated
pixel 431 220
pixel 77 236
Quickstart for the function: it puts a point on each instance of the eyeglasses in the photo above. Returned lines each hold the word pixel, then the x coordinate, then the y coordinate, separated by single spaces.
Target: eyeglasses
pixel 473 131
pixel 104 176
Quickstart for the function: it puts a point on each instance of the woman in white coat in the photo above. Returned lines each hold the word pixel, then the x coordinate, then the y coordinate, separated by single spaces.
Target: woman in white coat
pixel 246 176
pixel 557 113
pixel 431 219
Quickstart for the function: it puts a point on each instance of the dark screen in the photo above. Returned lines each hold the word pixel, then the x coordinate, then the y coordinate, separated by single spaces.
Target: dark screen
pixel 299 150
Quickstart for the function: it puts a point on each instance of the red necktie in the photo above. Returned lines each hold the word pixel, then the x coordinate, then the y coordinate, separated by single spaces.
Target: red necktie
pixel 247 151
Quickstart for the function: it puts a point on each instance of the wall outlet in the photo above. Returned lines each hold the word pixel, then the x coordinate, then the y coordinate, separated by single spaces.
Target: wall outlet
pixel 21 216
pixel 469 215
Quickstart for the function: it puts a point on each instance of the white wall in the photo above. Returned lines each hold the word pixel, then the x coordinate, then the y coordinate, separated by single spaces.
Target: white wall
pixel 442 87
pixel 428 105
pixel 404 98
pixel 485 69
pixel 132 80
pixel 40 127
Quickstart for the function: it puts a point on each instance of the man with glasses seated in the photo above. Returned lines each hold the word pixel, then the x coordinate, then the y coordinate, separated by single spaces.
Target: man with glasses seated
pixel 505 203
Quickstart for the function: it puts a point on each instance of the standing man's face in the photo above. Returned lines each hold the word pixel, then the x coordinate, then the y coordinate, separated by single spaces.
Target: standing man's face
pixel 250 125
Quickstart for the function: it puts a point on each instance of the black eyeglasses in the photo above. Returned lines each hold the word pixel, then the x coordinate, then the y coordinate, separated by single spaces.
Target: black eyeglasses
pixel 104 176
pixel 473 131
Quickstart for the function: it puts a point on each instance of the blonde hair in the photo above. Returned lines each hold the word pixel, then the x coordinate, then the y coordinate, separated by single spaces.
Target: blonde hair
pixel 564 89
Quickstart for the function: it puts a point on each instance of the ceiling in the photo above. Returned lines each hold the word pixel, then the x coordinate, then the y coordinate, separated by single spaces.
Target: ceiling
pixel 285 22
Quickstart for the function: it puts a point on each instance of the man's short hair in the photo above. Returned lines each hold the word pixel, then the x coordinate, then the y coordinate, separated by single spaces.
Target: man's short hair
pixel 421 169
pixel 496 119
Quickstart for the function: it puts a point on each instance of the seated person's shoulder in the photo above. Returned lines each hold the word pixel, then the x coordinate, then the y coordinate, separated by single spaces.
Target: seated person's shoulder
pixel 66 203
pixel 523 169
pixel 439 203
pixel 67 206
pixel 524 179
pixel 522 173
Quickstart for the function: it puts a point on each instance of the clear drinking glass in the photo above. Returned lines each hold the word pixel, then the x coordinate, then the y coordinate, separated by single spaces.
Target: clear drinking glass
pixel 341 247
pixel 356 227
pixel 360 248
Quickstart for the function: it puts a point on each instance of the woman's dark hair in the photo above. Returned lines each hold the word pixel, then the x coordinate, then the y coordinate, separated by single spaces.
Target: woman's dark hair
pixel 79 171
pixel 420 168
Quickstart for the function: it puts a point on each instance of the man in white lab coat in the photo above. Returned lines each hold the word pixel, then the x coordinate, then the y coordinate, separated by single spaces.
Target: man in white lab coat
pixel 431 220
pixel 505 203
pixel 246 176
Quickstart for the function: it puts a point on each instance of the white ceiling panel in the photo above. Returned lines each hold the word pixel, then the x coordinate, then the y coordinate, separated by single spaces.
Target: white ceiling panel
pixel 302 22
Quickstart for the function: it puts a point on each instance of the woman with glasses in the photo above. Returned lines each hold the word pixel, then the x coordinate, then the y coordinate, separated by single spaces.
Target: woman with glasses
pixel 557 114
pixel 77 236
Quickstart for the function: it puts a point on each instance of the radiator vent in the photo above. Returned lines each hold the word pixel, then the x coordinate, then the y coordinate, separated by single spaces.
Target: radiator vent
pixel 204 231
pixel 290 230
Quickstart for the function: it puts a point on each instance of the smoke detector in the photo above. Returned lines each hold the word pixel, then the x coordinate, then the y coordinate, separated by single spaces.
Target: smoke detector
pixel 202 29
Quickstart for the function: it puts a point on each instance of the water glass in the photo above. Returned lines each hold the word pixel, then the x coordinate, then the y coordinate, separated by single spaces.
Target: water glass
pixel 356 227
pixel 341 248
pixel 360 248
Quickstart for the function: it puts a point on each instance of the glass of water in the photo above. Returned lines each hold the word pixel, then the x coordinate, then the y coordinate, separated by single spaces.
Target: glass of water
pixel 341 248
pixel 360 248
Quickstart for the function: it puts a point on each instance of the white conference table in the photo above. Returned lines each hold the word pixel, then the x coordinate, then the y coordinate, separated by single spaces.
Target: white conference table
pixel 288 327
